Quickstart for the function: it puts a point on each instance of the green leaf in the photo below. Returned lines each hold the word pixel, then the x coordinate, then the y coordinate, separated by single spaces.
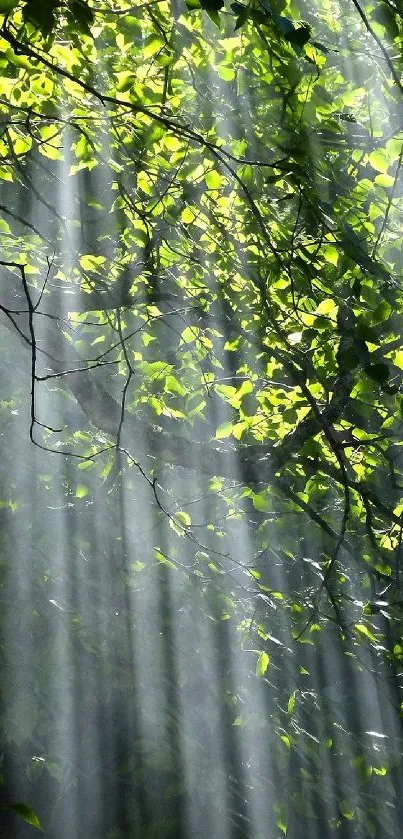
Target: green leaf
pixel 321 47
pixel 227 74
pixel 262 664
pixel 82 14
pixel 364 631
pixel 261 501
pixel 161 558
pixel 347 359
pixel 367 333
pixel 183 518
pixel 379 161
pixel 384 180
pixel 284 24
pixel 384 14
pixel 214 16
pixel 40 14
pixel 213 179
pixel 7 6
pixel 212 7
pixel 127 80
pixel 239 8
pixel 155 133
pixel 379 372
pixel 224 430
pixel 382 312
pixel 26 813
pixel 346 809
pixel 242 18
pixel 299 37
pixel 331 254
pixel 89 262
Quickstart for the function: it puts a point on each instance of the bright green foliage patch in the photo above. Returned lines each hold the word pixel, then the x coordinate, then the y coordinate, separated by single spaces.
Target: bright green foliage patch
pixel 201 253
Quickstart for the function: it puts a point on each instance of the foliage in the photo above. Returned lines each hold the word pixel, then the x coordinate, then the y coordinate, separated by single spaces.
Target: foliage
pixel 201 251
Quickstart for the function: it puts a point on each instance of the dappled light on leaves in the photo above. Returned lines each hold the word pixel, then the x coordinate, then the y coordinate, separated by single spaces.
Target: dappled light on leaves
pixel 201 414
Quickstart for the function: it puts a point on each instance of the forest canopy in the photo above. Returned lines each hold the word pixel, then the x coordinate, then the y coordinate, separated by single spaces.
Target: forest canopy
pixel 201 409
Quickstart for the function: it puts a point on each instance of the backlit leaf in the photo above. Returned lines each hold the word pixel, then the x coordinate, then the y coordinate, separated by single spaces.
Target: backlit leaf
pixel 262 664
